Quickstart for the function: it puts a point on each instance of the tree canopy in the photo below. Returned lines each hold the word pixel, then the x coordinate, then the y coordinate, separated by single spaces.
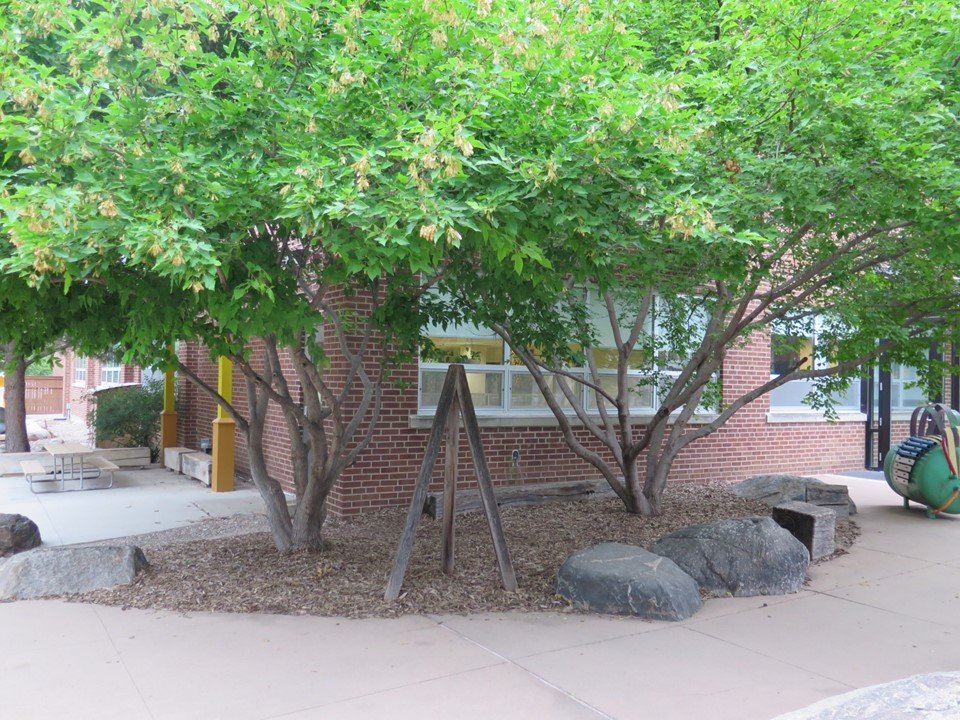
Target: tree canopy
pixel 234 164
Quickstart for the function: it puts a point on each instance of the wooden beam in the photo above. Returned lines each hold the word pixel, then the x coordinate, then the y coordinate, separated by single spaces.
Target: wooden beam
pixel 455 399
pixel 405 547
pixel 468 501
pixel 450 485
pixel 472 428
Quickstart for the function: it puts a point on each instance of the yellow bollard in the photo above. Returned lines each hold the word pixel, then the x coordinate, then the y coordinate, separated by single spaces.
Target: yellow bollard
pixel 168 418
pixel 224 431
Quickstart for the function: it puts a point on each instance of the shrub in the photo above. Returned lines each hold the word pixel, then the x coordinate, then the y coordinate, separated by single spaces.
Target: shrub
pixel 130 416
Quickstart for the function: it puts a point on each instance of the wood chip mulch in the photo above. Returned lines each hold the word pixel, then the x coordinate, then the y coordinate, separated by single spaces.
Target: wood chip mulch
pixel 245 573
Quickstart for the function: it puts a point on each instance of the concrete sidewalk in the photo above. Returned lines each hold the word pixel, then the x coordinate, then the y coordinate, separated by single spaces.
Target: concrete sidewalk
pixel 141 501
pixel 887 610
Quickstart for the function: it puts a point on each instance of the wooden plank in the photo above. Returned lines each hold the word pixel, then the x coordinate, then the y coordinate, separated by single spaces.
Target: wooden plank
pixel 450 486
pixel 99 462
pixel 43 394
pixel 405 547
pixel 472 428
pixel 32 467
pixel 469 501
pixel 126 457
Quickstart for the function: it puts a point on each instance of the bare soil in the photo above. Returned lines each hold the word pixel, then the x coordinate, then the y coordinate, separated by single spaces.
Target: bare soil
pixel 210 567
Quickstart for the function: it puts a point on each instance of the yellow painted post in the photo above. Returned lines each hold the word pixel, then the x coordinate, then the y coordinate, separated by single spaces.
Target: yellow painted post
pixel 168 418
pixel 224 431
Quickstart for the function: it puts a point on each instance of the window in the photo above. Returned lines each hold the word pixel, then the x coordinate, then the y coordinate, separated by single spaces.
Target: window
pixel 500 383
pixel 799 344
pixel 111 371
pixel 481 352
pixel 904 393
pixel 79 370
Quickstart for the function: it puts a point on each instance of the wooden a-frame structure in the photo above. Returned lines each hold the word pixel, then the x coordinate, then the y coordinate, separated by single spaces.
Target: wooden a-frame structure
pixel 455 402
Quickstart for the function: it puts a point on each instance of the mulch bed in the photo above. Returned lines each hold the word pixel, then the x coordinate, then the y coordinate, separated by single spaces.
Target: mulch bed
pixel 245 573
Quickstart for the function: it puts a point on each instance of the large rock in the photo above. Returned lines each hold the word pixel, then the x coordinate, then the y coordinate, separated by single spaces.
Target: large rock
pixel 626 580
pixel 742 557
pixel 17 533
pixel 65 570
pixel 922 697
pixel 776 489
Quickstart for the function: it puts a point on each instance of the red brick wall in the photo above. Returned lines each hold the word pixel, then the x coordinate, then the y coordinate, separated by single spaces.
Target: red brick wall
pixel 77 397
pixel 746 445
pixel 384 474
pixel 197 411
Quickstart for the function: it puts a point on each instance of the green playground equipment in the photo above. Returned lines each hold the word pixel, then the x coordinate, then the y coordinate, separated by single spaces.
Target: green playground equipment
pixel 924 467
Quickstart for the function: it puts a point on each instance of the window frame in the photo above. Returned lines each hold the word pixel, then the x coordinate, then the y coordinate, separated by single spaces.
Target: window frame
pixel 110 366
pixel 817 362
pixel 80 370
pixel 509 371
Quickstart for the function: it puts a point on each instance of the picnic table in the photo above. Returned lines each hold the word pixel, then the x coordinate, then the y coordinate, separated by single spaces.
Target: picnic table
pixel 81 459
pixel 73 452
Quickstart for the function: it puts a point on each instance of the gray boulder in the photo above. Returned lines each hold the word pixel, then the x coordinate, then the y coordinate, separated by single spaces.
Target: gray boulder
pixel 742 557
pixel 623 579
pixel 66 570
pixel 17 533
pixel 780 488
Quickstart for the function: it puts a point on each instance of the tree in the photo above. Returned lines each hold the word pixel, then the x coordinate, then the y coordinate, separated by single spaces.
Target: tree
pixel 808 173
pixel 35 323
pixel 257 172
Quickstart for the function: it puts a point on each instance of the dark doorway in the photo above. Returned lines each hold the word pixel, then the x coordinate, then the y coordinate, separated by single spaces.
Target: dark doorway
pixel 875 403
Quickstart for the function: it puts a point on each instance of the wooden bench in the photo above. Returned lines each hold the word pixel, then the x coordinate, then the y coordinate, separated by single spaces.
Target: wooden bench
pixel 101 464
pixel 32 468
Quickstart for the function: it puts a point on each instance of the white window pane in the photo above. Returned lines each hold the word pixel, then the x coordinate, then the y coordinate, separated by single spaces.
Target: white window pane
pixel 790 394
pixel 466 350
pixel 850 398
pixel 641 396
pixel 605 354
pixel 525 395
pixel 680 327
pixel 910 397
pixel 80 369
pixel 110 375
pixel 486 388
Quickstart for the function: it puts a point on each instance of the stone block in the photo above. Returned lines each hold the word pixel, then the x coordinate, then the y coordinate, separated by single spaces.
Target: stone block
pixel 811 524
pixel 827 494
pixel 172 455
pixel 776 489
pixel 197 465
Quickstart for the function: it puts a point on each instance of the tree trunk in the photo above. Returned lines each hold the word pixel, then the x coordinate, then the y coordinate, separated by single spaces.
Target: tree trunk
pixel 308 524
pixel 278 515
pixel 312 508
pixel 15 399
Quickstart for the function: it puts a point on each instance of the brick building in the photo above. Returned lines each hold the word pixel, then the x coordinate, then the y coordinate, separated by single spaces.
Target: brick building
pixel 522 442
pixel 82 376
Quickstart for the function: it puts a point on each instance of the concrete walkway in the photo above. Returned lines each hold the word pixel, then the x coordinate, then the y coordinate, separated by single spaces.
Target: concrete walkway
pixel 889 609
pixel 141 501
